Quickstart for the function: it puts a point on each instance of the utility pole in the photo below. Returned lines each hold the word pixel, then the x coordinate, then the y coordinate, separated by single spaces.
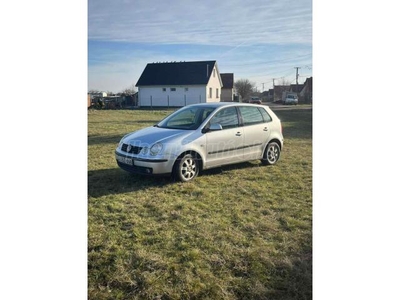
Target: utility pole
pixel 297 80
pixel 297 75
pixel 273 87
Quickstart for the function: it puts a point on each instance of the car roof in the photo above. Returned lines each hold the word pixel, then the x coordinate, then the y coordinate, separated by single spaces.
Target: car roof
pixel 226 104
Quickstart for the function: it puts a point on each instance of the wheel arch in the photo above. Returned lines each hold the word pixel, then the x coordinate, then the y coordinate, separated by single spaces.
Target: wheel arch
pixel 276 140
pixel 195 154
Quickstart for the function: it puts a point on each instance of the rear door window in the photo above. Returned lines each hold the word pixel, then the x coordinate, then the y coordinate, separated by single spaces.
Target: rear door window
pixel 250 115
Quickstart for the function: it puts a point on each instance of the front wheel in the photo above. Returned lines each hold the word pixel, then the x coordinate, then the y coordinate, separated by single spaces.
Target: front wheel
pixel 186 168
pixel 271 154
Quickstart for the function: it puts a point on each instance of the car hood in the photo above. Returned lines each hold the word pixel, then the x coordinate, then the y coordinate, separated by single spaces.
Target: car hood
pixel 151 135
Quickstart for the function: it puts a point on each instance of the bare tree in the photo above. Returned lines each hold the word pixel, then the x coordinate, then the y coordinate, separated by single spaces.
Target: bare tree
pixel 284 81
pixel 129 90
pixel 244 88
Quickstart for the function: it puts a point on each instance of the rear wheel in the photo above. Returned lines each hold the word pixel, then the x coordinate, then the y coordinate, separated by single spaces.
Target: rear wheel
pixel 186 168
pixel 271 154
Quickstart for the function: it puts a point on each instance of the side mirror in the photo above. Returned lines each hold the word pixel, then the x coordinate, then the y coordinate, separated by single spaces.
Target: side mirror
pixel 215 127
pixel 212 127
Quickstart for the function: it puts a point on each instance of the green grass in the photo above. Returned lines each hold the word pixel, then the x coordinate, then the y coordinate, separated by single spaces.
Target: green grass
pixel 236 232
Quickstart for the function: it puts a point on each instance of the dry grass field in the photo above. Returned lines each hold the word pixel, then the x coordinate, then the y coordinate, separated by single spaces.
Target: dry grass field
pixel 236 232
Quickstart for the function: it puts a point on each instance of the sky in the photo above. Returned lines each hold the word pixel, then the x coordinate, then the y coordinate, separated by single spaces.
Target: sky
pixel 257 40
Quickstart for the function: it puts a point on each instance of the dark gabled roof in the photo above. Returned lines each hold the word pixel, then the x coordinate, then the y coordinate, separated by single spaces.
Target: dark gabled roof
pixel 281 88
pixel 177 73
pixel 308 82
pixel 227 80
pixel 296 88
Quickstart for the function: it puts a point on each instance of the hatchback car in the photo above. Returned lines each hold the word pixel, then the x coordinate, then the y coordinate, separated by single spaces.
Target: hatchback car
pixel 203 136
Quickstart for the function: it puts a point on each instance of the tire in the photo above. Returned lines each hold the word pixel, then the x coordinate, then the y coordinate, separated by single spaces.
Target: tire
pixel 272 154
pixel 186 168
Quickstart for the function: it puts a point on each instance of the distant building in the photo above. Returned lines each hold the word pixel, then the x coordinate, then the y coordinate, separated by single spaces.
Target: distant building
pixel 179 83
pixel 278 91
pixel 94 97
pixel 227 88
pixel 306 92
pixel 296 88
pixel 98 94
pixel 268 96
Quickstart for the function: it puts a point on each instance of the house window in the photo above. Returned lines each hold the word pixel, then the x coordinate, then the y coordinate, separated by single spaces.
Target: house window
pixel 217 95
pixel 210 93
pixel 164 89
pixel 173 89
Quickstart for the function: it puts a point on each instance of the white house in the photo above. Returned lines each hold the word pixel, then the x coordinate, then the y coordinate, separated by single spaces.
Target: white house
pixel 179 83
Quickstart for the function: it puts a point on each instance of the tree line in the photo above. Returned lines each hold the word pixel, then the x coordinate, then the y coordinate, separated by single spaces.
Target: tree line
pixel 245 88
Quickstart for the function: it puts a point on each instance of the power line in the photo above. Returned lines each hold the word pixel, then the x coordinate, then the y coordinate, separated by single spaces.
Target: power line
pixel 284 76
pixel 263 85
pixel 289 71
pixel 268 62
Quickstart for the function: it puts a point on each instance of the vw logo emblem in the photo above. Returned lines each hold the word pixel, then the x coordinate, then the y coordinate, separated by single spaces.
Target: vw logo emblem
pixel 129 148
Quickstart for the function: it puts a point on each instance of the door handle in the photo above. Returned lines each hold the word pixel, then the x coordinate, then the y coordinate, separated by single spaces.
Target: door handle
pixel 238 133
pixel 265 129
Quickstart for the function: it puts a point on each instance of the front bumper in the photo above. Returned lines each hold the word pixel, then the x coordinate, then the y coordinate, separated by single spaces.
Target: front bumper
pixel 291 102
pixel 148 166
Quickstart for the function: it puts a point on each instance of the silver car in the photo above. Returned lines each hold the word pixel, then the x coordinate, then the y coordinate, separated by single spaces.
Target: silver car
pixel 203 136
pixel 291 99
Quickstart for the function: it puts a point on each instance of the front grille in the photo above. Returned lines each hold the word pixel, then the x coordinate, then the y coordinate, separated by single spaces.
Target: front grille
pixel 133 150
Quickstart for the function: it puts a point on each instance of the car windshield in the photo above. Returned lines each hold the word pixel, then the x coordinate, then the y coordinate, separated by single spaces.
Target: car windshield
pixel 187 118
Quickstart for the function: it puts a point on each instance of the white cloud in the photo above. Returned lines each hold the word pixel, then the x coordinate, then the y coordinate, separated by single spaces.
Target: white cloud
pixel 205 22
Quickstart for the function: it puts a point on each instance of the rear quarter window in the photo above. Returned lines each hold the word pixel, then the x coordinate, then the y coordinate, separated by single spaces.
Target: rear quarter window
pixel 265 115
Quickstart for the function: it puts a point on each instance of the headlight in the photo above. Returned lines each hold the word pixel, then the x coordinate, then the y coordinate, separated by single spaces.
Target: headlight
pixel 120 144
pixel 156 149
